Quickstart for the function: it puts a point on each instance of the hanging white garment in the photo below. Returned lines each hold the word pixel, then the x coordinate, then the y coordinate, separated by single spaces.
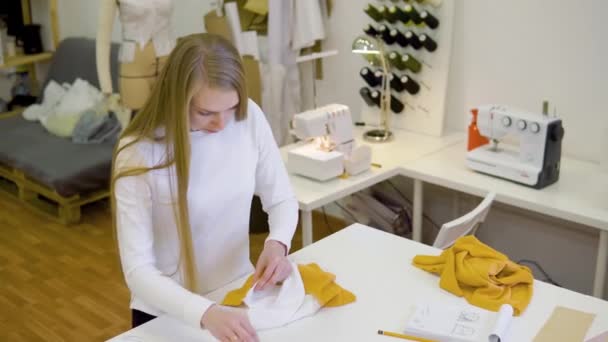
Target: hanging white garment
pixel 279 31
pixel 281 79
pixel 250 44
pixel 273 77
pixel 234 21
pixel 308 24
pixel 281 87
pixel 142 21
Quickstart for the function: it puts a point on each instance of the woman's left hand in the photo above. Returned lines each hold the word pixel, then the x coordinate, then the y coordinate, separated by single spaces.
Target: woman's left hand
pixel 273 266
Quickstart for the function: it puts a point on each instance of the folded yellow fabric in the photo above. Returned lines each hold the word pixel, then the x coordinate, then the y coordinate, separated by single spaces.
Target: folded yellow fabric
pixel 485 277
pixel 235 297
pixel 318 283
pixel 322 286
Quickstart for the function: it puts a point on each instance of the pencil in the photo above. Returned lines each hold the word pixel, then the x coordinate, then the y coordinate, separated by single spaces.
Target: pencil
pixel 405 337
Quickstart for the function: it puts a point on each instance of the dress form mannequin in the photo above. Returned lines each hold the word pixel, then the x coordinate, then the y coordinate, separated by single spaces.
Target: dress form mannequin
pixel 146 42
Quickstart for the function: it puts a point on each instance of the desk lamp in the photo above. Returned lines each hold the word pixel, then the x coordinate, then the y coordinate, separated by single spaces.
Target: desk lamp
pixel 373 51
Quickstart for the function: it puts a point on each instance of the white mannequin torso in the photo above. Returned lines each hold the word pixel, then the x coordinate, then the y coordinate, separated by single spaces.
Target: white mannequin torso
pixel 142 21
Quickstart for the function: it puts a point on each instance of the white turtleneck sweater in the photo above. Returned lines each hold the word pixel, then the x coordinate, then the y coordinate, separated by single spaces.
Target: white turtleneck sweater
pixel 226 169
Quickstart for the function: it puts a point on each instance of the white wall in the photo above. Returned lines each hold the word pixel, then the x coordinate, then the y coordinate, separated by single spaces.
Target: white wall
pixel 520 52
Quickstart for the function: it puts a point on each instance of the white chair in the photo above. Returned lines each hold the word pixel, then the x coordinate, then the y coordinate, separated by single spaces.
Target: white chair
pixel 465 225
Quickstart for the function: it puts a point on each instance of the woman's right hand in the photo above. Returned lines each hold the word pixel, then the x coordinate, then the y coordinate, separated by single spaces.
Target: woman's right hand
pixel 229 324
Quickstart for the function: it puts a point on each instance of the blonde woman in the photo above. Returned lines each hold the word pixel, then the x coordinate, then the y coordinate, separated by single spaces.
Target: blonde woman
pixel 184 174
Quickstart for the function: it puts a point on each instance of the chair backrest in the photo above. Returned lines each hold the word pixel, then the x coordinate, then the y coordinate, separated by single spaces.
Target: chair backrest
pixel 465 225
pixel 75 57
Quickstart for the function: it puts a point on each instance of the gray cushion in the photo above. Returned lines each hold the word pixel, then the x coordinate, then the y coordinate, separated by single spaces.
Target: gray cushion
pixel 58 163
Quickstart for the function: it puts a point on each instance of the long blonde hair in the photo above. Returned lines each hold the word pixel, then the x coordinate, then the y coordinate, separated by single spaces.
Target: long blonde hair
pixel 196 60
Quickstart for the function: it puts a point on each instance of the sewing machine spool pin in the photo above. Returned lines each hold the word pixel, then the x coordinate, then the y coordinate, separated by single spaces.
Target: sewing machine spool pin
pixel 494 145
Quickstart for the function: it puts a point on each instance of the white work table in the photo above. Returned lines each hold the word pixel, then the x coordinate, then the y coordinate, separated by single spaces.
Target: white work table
pixel 580 195
pixel 405 147
pixel 377 267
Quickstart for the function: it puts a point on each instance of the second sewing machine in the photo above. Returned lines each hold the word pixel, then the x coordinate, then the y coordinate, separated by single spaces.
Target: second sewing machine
pixel 535 163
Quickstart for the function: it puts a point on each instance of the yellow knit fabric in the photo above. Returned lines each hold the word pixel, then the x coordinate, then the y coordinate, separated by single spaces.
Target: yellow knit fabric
pixel 485 277
pixel 318 283
pixel 322 286
pixel 235 297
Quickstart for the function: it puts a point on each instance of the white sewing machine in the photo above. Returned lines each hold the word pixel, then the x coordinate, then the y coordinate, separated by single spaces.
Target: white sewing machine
pixel 330 149
pixel 536 162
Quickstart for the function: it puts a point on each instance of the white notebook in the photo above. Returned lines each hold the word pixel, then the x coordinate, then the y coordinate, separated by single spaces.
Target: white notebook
pixel 459 323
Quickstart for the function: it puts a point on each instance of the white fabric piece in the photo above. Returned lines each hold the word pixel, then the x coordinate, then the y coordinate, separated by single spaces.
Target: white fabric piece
pixel 325 12
pixel 142 21
pixel 234 21
pixel 263 48
pixel 81 96
pixel 308 24
pixel 250 44
pixel 227 168
pixel 35 112
pixel 78 98
pixel 273 77
pixel 604 157
pixel 293 100
pixel 280 95
pixel 280 305
pixel 280 25
pixel 52 95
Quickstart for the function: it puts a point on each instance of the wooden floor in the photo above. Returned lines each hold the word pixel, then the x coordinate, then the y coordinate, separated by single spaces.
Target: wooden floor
pixel 61 283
